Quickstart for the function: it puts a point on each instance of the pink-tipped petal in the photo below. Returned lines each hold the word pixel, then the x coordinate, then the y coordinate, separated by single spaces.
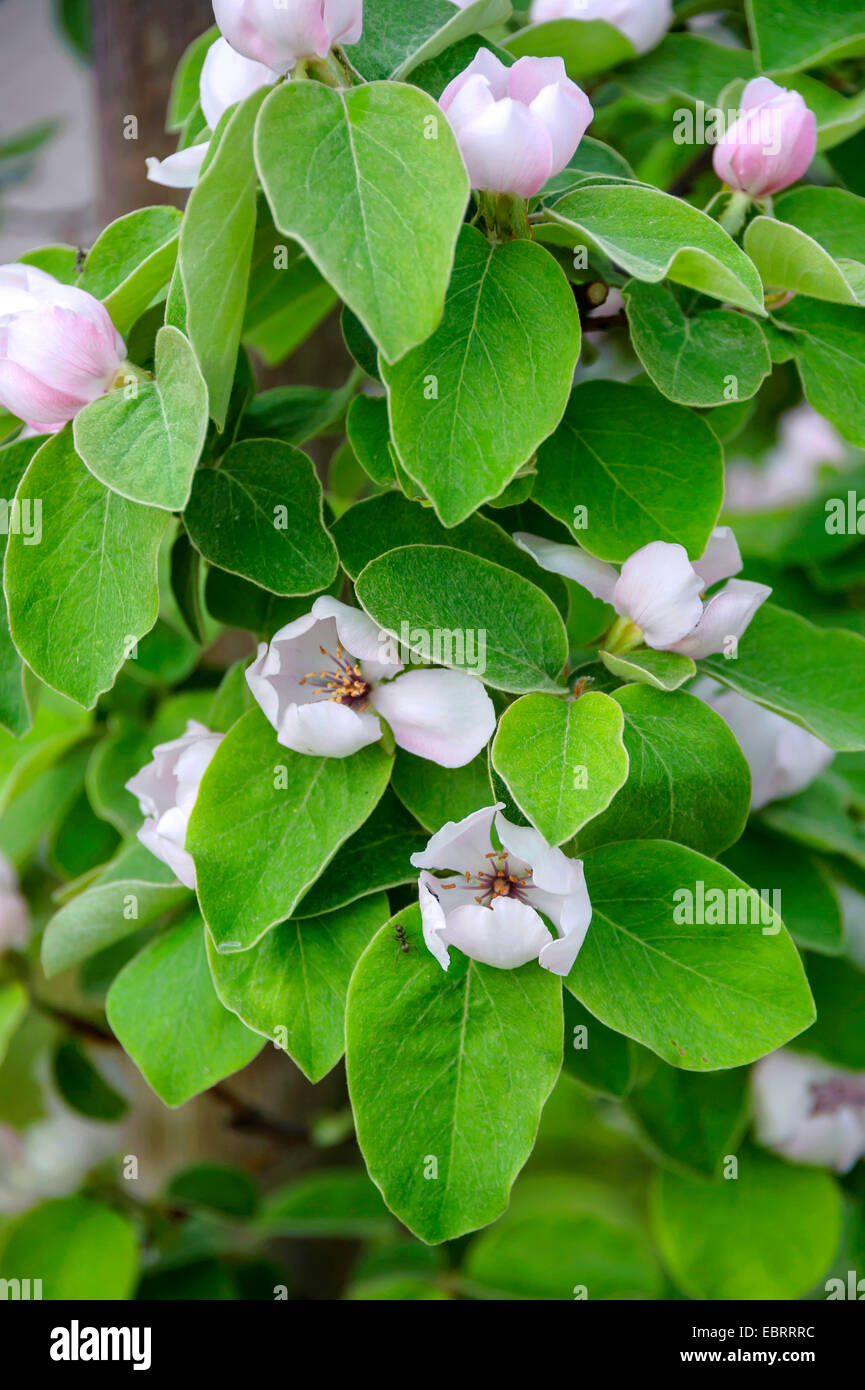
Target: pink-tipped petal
pixel 726 616
pixel 444 716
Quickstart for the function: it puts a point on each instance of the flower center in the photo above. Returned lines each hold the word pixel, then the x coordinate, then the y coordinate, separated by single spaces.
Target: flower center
pixel 834 1094
pixel 498 881
pixel 344 685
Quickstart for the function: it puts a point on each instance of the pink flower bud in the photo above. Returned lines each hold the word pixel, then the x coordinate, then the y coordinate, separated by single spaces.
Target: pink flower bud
pixel 59 349
pixel 644 22
pixel 771 144
pixel 516 127
pixel 280 35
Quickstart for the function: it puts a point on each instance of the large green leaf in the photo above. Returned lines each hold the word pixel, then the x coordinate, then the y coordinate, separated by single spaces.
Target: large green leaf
pixel 377 856
pixel 769 1233
pixel 215 251
pixel 292 986
pixel 471 405
pixel 447 1074
pixel 627 467
pixel 562 760
pixel 598 1057
pixel 654 236
pixel 164 1011
pixel 378 524
pixel 267 821
pixel 131 262
pixel 468 613
pixel 702 359
pixel 372 185
pixel 259 515
pixel 828 343
pixel 588 46
pixel 436 794
pixel 688 780
pixel 400 34
pixel 80 1249
pixel 702 995
pixel 689 66
pixel 793 250
pixel 812 675
pixel 692 1121
pixel 812 914
pixel 80 600
pixel 787 34
pixel 144 439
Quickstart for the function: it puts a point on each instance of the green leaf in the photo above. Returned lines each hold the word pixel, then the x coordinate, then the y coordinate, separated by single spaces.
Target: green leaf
pixel 292 986
pixel 822 818
pixel 377 856
pixel 471 405
pixel 448 1074
pixel 108 911
pixel 436 794
pixel 588 46
pixel 699 994
pixel 166 1014
pixel 239 603
pixel 13 1007
pixel 596 1056
pixel 654 236
pixel 828 343
pixel 812 675
pixel 339 1204
pixel 643 468
pixel 770 1233
pixel 399 34
pixel 368 430
pixel 812 914
pixel 688 780
pixel 660 670
pixel 838 1035
pixel 692 1121
pixel 80 600
pixel 786 34
pixel 703 359
pixel 335 165
pixel 788 259
pixel 83 1087
pixel 378 524
pixel 568 1240
pixel 216 249
pixel 145 445
pixel 259 515
pixel 215 1187
pixel 467 613
pixel 186 83
pixel 80 1249
pixel 267 822
pixel 296 414
pixel 131 262
pixel 562 760
pixel 15 712
pixel 689 66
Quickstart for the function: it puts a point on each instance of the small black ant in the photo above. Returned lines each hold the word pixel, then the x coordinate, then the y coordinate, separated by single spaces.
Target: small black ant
pixel 400 936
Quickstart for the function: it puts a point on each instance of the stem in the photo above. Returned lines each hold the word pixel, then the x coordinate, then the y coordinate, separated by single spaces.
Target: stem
pixel 622 637
pixel 506 216
pixel 733 217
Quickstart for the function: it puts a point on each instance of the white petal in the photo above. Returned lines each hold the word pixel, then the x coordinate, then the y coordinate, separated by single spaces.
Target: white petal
pixel 433 918
pixel 507 149
pixel 721 559
pixel 783 758
pixel 180 170
pixel 726 615
pixel 596 576
pixel 359 635
pixel 177 859
pixel 228 77
pixel 506 935
pixel 558 891
pixel 485 64
pixel 445 716
pixel 660 592
pixel 460 846
pixel 327 729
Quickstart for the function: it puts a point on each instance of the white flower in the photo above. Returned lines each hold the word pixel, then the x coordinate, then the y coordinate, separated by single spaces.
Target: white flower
pixel 325 678
pixel 791 469
pixel 659 590
pixel 783 758
pixel 644 22
pixel 810 1111
pixel 226 77
pixel 14 912
pixel 489 905
pixel 283 32
pixel 167 790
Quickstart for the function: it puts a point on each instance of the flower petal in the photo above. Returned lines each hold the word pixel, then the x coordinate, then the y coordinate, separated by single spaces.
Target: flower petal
pixel 327 729
pixel 485 64
pixel 180 170
pixel 460 846
pixel 361 637
pixel 659 591
pixel 726 615
pixel 783 758
pixel 445 716
pixel 506 935
pixel 596 576
pixel 721 559
pixel 433 918
pixel 506 149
